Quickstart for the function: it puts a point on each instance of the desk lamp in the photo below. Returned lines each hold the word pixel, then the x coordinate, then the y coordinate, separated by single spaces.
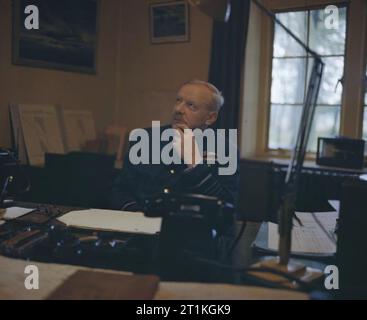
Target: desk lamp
pixel 287 208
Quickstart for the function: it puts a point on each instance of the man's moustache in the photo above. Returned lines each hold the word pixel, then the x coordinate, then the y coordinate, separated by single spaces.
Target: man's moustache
pixel 178 119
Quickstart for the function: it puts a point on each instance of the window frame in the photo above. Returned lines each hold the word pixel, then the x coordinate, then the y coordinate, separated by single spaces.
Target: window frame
pixel 352 103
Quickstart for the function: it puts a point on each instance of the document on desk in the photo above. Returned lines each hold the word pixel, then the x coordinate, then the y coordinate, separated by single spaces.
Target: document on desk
pixel 309 238
pixel 14 212
pixel 111 220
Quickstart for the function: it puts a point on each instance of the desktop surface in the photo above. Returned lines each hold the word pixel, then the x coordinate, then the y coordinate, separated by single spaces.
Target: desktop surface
pixel 77 248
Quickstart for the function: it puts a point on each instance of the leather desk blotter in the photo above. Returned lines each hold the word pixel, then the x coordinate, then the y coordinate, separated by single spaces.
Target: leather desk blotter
pixel 89 285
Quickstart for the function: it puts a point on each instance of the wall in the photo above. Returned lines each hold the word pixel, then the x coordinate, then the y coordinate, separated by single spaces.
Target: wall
pixel 70 90
pixel 151 73
pixel 136 81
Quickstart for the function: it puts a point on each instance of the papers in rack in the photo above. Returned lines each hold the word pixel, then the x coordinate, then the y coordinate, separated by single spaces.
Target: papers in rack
pixel 79 127
pixel 17 136
pixel 110 220
pixel 309 238
pixel 41 131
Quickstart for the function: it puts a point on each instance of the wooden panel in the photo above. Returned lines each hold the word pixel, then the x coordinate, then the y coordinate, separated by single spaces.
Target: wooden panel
pixel 354 70
pixel 267 31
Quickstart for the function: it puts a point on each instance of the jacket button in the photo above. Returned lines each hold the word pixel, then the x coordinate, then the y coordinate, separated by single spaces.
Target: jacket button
pixel 172 171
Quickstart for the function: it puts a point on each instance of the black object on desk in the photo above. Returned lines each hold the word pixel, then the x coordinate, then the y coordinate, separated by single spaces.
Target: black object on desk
pixel 79 179
pixel 7 165
pixel 13 181
pixel 340 152
pixel 76 179
pixel 40 237
pixel 192 227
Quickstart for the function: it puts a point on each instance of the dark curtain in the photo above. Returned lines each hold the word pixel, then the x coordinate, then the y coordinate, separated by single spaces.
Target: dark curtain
pixel 227 60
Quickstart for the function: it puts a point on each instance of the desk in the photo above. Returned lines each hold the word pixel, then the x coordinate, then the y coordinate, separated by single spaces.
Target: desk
pixel 242 256
pixel 52 275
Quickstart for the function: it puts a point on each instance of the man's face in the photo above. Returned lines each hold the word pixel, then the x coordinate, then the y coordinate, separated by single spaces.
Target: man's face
pixel 193 108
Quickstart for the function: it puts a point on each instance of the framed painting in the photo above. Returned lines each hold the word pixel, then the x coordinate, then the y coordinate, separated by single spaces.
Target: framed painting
pixel 169 22
pixel 66 38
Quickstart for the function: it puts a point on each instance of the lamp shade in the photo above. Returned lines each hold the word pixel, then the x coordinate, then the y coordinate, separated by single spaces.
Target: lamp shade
pixel 217 9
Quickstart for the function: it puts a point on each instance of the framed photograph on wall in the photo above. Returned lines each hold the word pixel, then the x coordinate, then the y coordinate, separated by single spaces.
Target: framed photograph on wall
pixel 66 38
pixel 169 22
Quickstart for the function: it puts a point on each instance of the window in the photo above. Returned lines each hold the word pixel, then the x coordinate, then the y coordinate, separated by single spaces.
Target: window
pixel 291 67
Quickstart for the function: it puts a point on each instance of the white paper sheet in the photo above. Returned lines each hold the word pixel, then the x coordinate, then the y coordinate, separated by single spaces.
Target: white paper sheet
pixel 123 221
pixel 335 204
pixel 14 212
pixel 310 238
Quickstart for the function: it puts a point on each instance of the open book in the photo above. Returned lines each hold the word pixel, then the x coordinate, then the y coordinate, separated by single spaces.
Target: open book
pixel 314 237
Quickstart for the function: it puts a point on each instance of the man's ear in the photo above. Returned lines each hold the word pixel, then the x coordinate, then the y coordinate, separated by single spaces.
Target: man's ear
pixel 212 117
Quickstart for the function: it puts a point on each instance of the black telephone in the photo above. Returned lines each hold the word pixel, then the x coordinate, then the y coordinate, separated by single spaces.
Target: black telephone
pixel 191 223
pixel 215 212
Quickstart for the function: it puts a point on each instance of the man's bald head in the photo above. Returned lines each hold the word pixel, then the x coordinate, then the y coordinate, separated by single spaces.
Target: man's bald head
pixel 217 97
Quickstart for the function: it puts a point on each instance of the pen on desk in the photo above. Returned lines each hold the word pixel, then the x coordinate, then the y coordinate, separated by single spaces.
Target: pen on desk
pixel 298 220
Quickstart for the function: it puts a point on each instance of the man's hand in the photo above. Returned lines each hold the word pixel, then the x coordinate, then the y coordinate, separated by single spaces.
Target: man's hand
pixel 185 145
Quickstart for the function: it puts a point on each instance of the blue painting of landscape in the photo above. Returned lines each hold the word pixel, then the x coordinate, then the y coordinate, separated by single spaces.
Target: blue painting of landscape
pixel 66 38
pixel 169 22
